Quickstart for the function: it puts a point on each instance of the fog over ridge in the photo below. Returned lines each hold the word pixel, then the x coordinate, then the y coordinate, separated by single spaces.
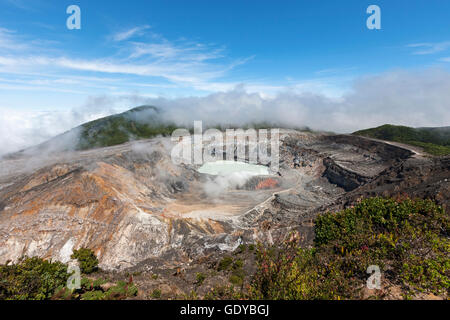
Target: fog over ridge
pixel 417 98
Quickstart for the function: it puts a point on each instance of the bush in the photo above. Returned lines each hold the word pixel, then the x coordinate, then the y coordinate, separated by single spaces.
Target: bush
pixel 241 249
pixel 409 239
pixel 87 260
pixel 156 294
pixel 225 263
pixel 38 279
pixel 236 280
pixel 32 279
pixel 200 278
pixel 121 290
pixel 92 290
pixel 93 295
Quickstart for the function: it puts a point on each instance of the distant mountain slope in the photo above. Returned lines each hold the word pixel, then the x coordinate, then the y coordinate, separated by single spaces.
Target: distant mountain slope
pixel 142 122
pixel 138 123
pixel 435 141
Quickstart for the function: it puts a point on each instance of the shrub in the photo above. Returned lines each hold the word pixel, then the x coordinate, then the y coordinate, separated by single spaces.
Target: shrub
pixel 241 249
pixel 236 280
pixel 200 278
pixel 32 279
pixel 121 290
pixel 408 238
pixel 238 264
pixel 87 260
pixel 225 263
pixel 93 295
pixel 156 294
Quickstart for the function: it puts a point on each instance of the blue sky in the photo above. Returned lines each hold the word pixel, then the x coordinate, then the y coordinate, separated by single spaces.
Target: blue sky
pixel 182 48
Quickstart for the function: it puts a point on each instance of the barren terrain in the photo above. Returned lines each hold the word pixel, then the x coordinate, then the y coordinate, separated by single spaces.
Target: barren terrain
pixel 131 204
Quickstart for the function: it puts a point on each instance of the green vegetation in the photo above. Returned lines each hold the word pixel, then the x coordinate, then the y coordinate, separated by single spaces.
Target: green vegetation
pixel 39 279
pixel 435 141
pixel 156 294
pixel 120 291
pixel 200 278
pixel 31 279
pixel 87 260
pixel 139 123
pixel 237 273
pixel 240 249
pixel 97 290
pixel 408 240
pixel 225 264
pixel 143 122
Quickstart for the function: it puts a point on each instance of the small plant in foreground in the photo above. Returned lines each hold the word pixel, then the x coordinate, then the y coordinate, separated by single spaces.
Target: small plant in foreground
pixel 200 278
pixel 156 294
pixel 87 260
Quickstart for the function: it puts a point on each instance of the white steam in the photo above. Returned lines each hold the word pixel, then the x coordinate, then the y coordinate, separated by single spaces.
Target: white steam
pixel 215 186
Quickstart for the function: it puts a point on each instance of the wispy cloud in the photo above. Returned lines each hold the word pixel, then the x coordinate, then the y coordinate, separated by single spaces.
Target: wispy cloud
pixel 127 34
pixel 171 51
pixel 181 62
pixel 334 71
pixel 18 3
pixel 429 47
pixel 9 42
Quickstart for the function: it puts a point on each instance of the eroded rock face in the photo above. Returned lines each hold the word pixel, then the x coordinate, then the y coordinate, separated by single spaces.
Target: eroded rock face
pixel 130 203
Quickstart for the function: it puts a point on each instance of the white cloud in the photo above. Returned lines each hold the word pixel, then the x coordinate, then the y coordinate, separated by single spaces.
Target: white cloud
pixel 188 64
pixel 413 98
pixel 429 47
pixel 166 50
pixel 125 35
pixel 21 129
pixel 8 41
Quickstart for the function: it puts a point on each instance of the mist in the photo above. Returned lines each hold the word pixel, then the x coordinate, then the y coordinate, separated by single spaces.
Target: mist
pixel 415 98
pixel 216 185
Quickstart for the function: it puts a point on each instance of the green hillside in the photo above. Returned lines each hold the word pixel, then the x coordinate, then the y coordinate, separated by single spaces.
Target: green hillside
pixel 142 123
pixel 435 141
pixel 139 123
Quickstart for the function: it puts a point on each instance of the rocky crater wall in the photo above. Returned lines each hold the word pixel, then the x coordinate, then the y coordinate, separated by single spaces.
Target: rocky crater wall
pixel 344 178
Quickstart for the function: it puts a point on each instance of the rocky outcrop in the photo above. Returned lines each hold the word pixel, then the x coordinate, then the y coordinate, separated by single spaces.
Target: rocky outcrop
pixel 344 178
pixel 424 178
pixel 384 150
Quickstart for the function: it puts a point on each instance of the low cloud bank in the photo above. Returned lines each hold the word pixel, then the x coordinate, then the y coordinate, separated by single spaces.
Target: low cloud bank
pixel 413 98
pixel 420 98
